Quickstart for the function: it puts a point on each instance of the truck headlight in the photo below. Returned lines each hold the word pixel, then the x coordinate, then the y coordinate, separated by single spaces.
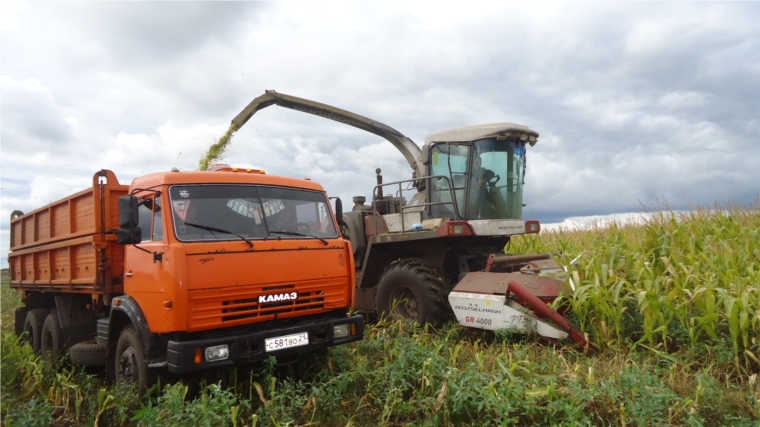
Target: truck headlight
pixel 218 352
pixel 341 331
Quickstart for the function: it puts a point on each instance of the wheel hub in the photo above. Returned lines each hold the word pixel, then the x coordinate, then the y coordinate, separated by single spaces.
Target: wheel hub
pixel 406 302
pixel 49 342
pixel 127 362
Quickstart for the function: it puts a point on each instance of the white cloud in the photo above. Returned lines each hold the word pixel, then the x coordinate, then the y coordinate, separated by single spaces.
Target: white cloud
pixel 684 99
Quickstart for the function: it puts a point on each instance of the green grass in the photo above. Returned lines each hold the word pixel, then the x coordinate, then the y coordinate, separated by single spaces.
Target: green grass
pixel 10 300
pixel 673 304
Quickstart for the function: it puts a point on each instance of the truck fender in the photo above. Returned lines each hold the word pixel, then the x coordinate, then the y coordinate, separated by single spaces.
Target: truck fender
pixel 125 310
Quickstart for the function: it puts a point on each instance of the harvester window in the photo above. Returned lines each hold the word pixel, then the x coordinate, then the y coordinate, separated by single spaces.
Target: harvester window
pixel 449 160
pixel 495 183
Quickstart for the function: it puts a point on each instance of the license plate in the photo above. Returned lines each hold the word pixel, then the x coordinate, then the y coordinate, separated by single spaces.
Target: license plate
pixel 288 341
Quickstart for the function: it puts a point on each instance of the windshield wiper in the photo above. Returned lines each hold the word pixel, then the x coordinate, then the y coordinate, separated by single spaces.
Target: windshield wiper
pixel 293 233
pixel 218 230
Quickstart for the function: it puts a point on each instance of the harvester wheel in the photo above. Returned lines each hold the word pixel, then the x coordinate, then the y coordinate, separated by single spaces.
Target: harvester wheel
pixel 409 289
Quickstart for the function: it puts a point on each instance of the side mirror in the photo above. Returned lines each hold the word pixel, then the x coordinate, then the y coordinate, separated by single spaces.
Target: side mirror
pixel 129 236
pixel 425 154
pixel 128 233
pixel 339 211
pixel 128 216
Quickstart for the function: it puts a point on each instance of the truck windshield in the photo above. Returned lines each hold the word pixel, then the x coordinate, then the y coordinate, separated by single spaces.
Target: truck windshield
pixel 494 188
pixel 229 212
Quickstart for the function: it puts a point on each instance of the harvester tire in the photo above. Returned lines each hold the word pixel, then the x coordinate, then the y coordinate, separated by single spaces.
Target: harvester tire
pixel 51 346
pixel 88 353
pixel 410 289
pixel 33 322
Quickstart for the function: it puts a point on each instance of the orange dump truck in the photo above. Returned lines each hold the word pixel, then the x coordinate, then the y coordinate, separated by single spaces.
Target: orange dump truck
pixel 185 271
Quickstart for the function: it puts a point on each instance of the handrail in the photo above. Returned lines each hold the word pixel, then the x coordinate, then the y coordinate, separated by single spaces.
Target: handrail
pixel 400 192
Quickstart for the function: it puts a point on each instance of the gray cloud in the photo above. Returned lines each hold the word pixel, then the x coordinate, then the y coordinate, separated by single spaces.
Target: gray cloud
pixel 636 104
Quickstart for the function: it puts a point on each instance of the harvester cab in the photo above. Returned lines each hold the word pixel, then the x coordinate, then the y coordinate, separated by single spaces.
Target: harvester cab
pixel 442 252
pixel 480 173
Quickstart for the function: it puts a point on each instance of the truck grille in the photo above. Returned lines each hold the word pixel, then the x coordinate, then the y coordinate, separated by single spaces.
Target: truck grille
pixel 240 305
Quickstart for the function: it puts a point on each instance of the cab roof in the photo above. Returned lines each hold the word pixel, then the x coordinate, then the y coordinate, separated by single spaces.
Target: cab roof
pixel 242 176
pixel 473 133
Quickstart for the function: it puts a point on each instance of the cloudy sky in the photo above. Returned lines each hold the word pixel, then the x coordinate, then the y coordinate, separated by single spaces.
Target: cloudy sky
pixel 637 104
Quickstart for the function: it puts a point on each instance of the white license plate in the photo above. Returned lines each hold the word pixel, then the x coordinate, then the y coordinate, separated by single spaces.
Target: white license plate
pixel 288 341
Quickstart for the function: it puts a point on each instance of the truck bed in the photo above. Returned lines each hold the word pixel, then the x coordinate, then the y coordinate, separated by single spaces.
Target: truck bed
pixel 67 246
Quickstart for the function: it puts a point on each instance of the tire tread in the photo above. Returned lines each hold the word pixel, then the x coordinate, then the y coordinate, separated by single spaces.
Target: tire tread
pixel 431 285
pixel 37 318
pixel 88 353
pixel 52 324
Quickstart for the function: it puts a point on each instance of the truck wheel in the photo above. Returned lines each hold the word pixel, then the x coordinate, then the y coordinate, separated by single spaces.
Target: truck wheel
pixel 412 290
pixel 51 345
pixel 131 365
pixel 19 317
pixel 33 327
pixel 88 353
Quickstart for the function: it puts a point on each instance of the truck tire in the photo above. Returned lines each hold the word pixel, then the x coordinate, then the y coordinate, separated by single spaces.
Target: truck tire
pixel 19 317
pixel 130 364
pixel 33 322
pixel 51 346
pixel 411 290
pixel 88 353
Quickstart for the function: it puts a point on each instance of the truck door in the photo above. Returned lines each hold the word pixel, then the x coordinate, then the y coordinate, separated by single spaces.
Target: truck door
pixel 145 276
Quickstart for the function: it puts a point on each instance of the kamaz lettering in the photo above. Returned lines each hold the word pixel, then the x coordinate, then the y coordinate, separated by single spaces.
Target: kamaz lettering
pixel 277 297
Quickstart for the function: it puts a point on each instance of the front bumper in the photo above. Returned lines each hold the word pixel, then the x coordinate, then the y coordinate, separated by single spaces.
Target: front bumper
pixel 180 355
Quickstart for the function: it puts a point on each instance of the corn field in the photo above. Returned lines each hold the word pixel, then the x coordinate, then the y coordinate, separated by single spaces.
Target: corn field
pixel 676 281
pixel 673 303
